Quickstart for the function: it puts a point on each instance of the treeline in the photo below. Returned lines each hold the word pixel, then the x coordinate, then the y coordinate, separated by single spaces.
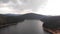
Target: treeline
pixel 6 19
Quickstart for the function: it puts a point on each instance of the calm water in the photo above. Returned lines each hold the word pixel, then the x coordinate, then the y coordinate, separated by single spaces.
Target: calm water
pixel 26 27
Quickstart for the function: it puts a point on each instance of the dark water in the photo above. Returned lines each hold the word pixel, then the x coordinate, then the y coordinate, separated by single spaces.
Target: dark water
pixel 26 27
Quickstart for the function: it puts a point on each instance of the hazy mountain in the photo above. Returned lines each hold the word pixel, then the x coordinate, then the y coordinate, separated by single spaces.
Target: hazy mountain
pixel 15 18
pixel 35 16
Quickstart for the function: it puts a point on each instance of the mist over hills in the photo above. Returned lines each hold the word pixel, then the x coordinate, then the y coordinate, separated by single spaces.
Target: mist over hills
pixel 30 16
pixel 35 16
pixel 15 18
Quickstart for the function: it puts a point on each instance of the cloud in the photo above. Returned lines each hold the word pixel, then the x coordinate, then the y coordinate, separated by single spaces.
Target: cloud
pixel 21 5
pixel 26 4
pixel 4 1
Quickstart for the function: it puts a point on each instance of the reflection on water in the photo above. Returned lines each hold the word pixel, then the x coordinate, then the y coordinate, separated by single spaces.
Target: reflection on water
pixel 26 27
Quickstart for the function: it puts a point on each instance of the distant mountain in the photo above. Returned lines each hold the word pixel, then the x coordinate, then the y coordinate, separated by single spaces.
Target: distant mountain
pixel 11 14
pixel 14 18
pixel 32 16
pixel 35 16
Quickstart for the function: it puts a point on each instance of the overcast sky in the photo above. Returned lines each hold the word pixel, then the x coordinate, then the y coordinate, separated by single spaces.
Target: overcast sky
pixel 46 7
pixel 52 8
pixel 20 5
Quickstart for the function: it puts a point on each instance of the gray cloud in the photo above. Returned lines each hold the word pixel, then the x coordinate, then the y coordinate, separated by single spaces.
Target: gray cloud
pixel 4 1
pixel 24 4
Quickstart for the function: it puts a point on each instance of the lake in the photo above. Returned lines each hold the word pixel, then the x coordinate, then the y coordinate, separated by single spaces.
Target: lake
pixel 25 27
